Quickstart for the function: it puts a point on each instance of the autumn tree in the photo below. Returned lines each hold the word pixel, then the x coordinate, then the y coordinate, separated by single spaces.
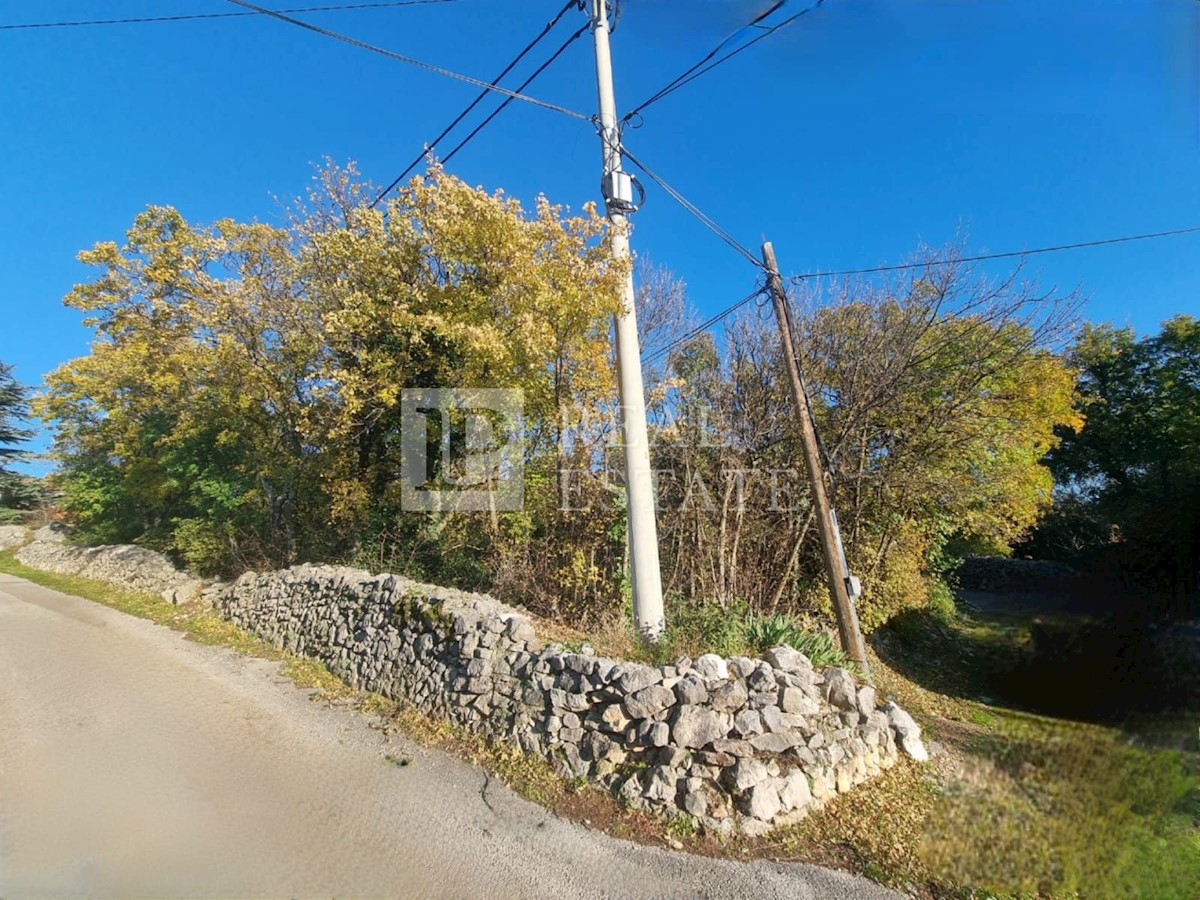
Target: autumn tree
pixel 939 405
pixel 185 427
pixel 454 287
pixel 240 406
pixel 937 399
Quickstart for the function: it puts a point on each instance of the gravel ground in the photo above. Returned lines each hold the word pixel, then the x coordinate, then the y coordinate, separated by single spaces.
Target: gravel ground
pixel 135 763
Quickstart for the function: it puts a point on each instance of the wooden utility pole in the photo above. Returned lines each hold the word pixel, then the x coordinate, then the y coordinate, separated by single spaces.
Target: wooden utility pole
pixel 827 529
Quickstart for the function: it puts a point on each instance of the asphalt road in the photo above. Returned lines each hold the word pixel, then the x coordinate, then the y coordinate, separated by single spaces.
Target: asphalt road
pixel 134 763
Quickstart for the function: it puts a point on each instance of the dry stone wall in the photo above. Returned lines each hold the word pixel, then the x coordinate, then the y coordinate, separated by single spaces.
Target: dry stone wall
pixel 739 744
pixel 13 536
pixel 994 573
pixel 132 568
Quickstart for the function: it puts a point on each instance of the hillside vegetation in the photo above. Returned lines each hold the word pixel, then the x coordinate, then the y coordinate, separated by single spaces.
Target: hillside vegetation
pixel 240 407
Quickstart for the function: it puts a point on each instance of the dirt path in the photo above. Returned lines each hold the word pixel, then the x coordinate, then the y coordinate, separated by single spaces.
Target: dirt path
pixel 134 763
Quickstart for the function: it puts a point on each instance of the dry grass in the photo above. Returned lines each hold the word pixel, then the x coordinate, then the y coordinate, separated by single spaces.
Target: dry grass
pixel 875 830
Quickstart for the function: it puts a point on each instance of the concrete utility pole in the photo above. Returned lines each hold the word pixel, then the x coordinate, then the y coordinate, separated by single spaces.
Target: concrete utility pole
pixel 639 484
pixel 836 570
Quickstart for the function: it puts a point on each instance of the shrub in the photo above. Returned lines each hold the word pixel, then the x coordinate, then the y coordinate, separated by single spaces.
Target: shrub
pixel 765 632
pixel 736 630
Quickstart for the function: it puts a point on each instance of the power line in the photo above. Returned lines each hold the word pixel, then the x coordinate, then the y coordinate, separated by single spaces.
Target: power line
pixel 227 15
pixel 499 109
pixel 730 310
pixel 670 86
pixel 1008 254
pixel 700 69
pixel 700 329
pixel 408 60
pixel 704 219
pixel 731 54
pixel 482 94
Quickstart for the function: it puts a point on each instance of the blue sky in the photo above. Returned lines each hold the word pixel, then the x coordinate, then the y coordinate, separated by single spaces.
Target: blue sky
pixel 848 139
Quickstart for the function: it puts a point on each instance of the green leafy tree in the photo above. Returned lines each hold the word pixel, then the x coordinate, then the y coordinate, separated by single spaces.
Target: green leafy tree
pixel 1141 402
pixel 1130 476
pixel 17 491
pixel 183 427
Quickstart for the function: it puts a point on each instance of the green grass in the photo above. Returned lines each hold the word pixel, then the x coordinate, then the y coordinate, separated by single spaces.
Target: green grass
pixel 764 632
pixel 1054 808
pixel 983 718
pixel 1033 805
pixel 1015 805
pixel 682 827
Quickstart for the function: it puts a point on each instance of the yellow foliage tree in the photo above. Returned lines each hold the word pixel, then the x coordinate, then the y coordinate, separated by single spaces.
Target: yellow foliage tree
pixel 242 393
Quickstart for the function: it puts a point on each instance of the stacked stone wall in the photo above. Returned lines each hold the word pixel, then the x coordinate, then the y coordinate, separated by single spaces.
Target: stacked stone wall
pixel 13 536
pixel 738 743
pixel 129 567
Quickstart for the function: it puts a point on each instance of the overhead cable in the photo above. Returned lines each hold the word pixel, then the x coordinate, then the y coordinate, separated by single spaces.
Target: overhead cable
pixel 499 109
pixel 1008 254
pixel 184 17
pixel 700 329
pixel 478 99
pixel 729 310
pixel 699 214
pixel 670 86
pixel 408 60
pixel 699 69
